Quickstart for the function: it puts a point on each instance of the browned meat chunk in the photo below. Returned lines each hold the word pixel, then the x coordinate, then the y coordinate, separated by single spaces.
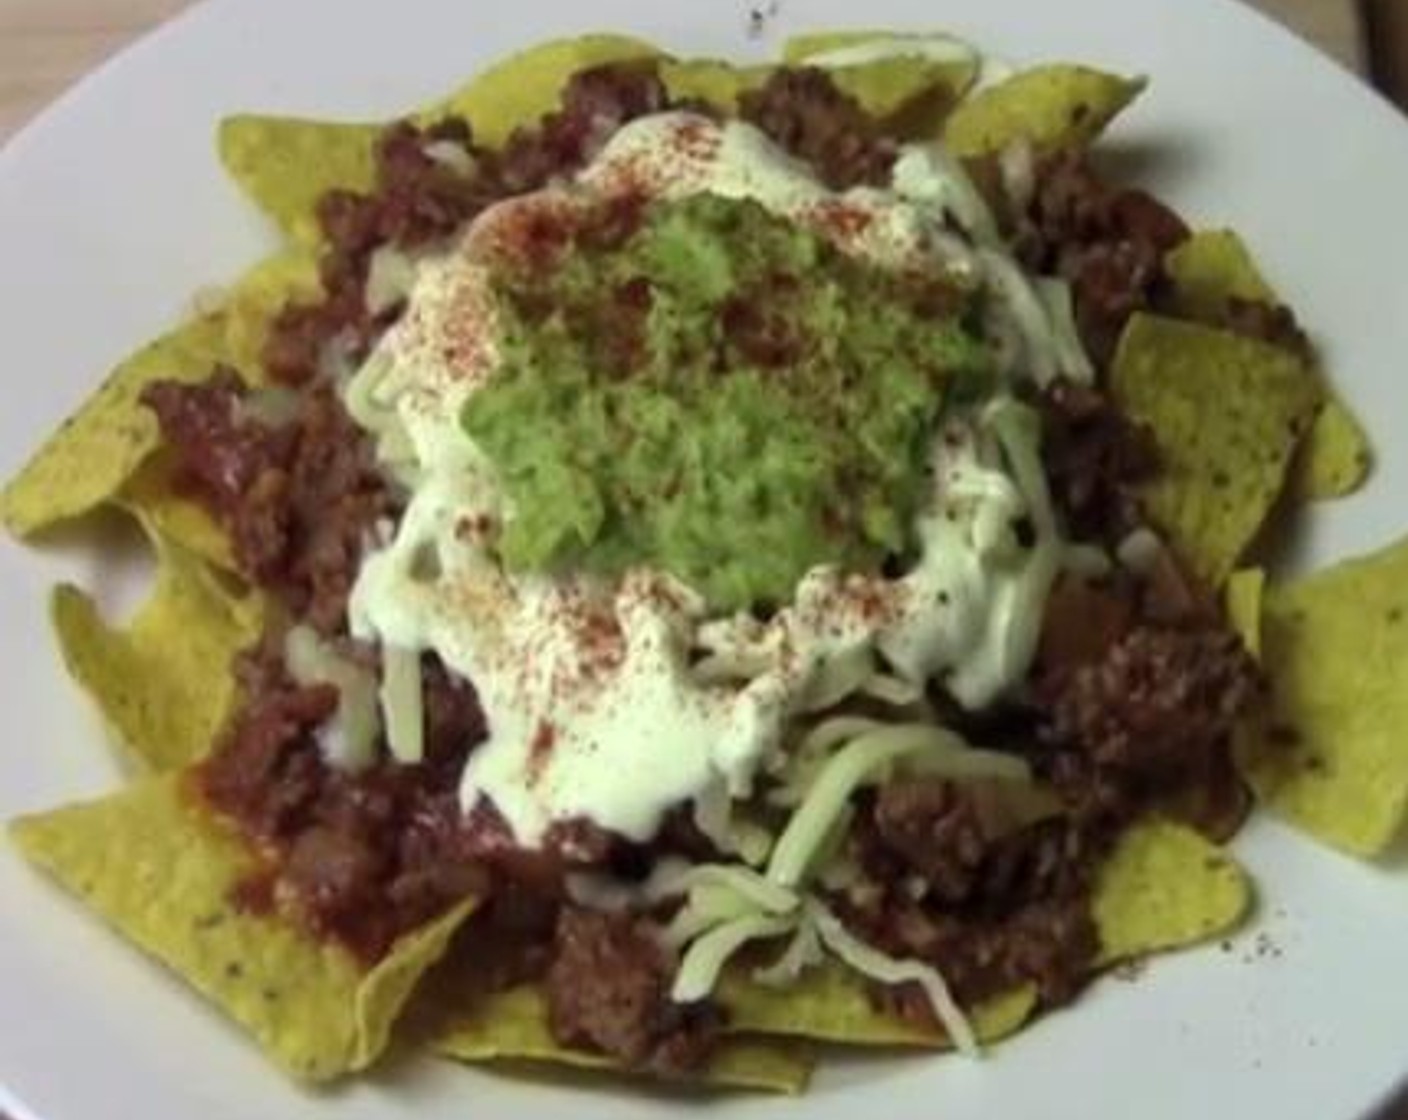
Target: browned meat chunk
pixel 365 856
pixel 935 830
pixel 609 990
pixel 1094 458
pixel 301 501
pixel 1153 712
pixel 804 112
pixel 1107 241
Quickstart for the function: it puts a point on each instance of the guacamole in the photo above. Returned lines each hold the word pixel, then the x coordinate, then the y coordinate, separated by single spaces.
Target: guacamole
pixel 707 388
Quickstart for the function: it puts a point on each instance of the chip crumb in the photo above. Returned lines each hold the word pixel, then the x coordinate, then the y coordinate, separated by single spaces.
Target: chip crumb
pixel 760 16
pixel 1263 947
pixel 1130 970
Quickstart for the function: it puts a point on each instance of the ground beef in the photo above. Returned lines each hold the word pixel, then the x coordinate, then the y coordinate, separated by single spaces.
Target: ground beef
pixel 362 857
pixel 990 909
pixel 1095 458
pixel 1024 916
pixel 805 113
pixel 209 419
pixel 1109 242
pixel 608 990
pixel 265 771
pixel 1051 945
pixel 1152 715
pixel 300 500
pixel 595 104
pixel 935 831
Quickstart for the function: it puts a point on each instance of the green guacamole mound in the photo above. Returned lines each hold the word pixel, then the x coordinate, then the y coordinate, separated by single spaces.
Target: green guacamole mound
pixel 719 393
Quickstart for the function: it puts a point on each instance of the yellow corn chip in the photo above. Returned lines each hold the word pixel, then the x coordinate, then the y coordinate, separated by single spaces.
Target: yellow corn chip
pixel 1209 269
pixel 289 276
pixel 249 311
pixel 1227 412
pixel 520 89
pixel 720 84
pixel 1335 459
pixel 1243 600
pixel 1332 753
pixel 1056 106
pixel 163 683
pixel 899 91
pixel 912 95
pixel 1213 267
pixel 800 50
pixel 911 81
pixel 98 448
pixel 152 494
pixel 160 871
pixel 285 164
pixel 94 454
pixel 513 1025
pixel 831 1003
pixel 1163 887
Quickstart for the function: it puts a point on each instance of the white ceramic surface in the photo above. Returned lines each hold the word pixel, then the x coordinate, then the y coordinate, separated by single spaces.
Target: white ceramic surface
pixel 113 211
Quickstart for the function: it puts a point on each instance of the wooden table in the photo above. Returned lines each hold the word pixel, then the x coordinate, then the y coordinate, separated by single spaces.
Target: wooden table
pixel 46 44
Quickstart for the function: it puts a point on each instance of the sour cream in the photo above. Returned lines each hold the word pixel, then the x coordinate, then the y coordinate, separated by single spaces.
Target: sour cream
pixel 594 701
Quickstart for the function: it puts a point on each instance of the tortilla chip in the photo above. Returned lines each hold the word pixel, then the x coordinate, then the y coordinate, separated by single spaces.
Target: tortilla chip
pixel 800 50
pixel 524 86
pixel 285 164
pixel 163 683
pixel 153 495
pixel 1336 458
pixel 1166 886
pixel 97 449
pixel 1332 752
pixel 831 1003
pixel 1213 267
pixel 160 871
pixel 719 84
pixel 252 304
pixel 1058 106
pixel 1243 596
pixel 907 93
pixel 513 1025
pixel 1227 413
pixel 912 95
pixel 249 312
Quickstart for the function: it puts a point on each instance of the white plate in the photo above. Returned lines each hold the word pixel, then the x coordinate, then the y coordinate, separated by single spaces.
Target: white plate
pixel 113 211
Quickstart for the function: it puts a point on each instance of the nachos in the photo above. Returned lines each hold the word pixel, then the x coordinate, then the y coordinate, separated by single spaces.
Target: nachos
pixel 673 563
